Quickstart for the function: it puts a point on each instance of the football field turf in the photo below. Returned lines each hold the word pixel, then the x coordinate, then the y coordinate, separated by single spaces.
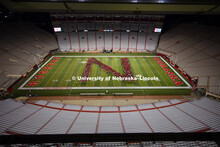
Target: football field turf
pixel 154 75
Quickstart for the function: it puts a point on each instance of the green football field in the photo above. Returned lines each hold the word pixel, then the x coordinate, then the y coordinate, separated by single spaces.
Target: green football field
pixel 62 75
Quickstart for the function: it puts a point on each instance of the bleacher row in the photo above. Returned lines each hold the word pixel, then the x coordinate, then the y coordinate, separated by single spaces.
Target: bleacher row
pixel 44 117
pixel 132 41
pixel 141 37
pixel 22 45
pixel 125 144
pixel 195 48
pixel 160 144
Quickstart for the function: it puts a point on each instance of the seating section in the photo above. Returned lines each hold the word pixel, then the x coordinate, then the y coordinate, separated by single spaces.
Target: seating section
pixel 8 106
pixel 114 118
pixel 128 144
pixel 22 46
pixel 43 117
pixel 125 37
pixel 195 48
pixel 158 122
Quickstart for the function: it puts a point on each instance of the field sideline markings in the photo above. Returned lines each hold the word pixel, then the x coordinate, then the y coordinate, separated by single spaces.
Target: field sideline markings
pixel 22 86
pixel 67 88
pixel 106 56
pixel 176 73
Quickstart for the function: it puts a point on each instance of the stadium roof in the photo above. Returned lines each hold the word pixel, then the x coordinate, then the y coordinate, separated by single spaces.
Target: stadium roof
pixel 116 6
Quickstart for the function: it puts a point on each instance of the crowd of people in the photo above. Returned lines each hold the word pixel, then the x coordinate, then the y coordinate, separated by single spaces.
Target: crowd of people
pixel 127 68
pixel 124 61
pixel 87 70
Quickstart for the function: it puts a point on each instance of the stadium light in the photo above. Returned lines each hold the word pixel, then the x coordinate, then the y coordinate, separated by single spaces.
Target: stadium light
pixel 57 29
pixel 157 30
pixel 134 1
pixel 161 1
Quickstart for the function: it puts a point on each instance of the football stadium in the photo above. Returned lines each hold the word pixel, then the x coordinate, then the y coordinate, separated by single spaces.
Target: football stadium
pixel 109 73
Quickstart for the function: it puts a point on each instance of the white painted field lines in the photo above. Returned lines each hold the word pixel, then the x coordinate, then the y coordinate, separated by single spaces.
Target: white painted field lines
pixel 121 87
pixel 141 72
pixel 51 77
pixel 142 87
pixel 34 74
pixel 176 72
pixel 105 56
pixel 65 74
pixel 73 63
pixel 74 81
pixel 160 74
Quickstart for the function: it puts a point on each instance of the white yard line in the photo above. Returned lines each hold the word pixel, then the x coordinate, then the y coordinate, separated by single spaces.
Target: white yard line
pixel 146 71
pixel 75 80
pixel 72 73
pixel 64 74
pixel 35 73
pixel 106 56
pixel 177 73
pixel 143 74
pixel 67 73
pixel 54 74
pixel 159 73
pixel 63 88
